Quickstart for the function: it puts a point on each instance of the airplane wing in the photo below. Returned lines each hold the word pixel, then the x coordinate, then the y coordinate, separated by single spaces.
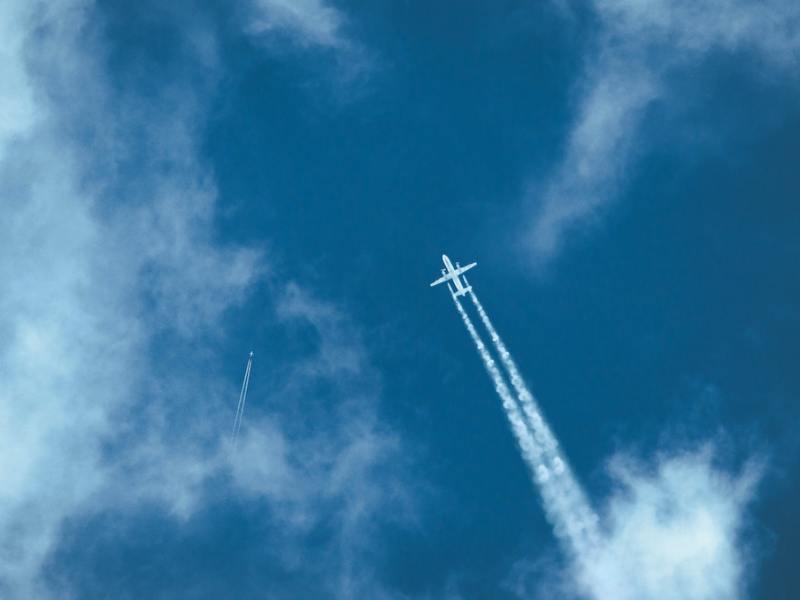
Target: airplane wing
pixel 461 270
pixel 453 274
pixel 442 279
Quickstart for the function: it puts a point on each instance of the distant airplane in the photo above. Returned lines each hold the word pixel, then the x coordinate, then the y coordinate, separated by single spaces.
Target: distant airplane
pixel 454 274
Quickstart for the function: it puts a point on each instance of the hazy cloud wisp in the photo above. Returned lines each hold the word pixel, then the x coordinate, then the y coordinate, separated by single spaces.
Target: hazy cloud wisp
pixel 638 43
pixel 110 256
pixel 307 22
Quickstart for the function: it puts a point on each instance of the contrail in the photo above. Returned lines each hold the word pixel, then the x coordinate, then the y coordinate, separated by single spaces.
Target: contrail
pixel 532 413
pixel 237 421
pixel 564 502
pixel 531 452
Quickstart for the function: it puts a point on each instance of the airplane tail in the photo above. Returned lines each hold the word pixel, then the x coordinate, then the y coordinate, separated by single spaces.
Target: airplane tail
pixel 462 292
pixel 467 288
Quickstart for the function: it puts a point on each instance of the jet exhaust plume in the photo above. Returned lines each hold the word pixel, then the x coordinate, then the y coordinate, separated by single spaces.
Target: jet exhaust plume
pixel 237 421
pixel 564 502
pixel 531 451
pixel 573 500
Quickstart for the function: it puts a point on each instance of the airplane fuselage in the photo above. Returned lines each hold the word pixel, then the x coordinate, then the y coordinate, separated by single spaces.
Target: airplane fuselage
pixel 460 288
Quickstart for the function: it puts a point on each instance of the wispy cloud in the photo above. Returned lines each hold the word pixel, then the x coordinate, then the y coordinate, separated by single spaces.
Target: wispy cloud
pixel 16 96
pixel 362 482
pixel 111 262
pixel 306 22
pixel 317 460
pixel 312 25
pixel 637 44
pixel 86 277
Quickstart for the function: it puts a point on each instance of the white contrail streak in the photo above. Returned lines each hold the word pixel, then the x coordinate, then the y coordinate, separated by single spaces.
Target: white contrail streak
pixel 531 452
pixel 532 413
pixel 564 502
pixel 237 421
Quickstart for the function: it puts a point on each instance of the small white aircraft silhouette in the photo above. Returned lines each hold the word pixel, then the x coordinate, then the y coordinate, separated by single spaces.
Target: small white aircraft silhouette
pixel 450 273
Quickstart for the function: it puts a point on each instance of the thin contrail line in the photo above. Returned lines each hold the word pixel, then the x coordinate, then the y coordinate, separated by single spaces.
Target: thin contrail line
pixel 237 421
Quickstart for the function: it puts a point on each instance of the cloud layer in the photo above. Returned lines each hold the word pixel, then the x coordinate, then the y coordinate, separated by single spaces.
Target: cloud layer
pixel 637 45
pixel 110 266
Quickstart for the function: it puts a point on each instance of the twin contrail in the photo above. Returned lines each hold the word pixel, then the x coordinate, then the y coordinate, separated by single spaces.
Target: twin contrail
pixel 237 421
pixel 565 503
pixel 570 507
pixel 530 450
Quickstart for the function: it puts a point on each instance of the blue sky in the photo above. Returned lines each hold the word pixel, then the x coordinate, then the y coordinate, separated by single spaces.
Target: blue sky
pixel 182 185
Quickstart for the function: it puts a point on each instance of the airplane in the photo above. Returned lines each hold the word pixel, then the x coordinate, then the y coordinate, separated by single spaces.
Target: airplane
pixel 449 273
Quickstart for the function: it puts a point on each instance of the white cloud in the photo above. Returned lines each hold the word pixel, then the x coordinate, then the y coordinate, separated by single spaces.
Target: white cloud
pixel 638 43
pixel 673 529
pixel 109 248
